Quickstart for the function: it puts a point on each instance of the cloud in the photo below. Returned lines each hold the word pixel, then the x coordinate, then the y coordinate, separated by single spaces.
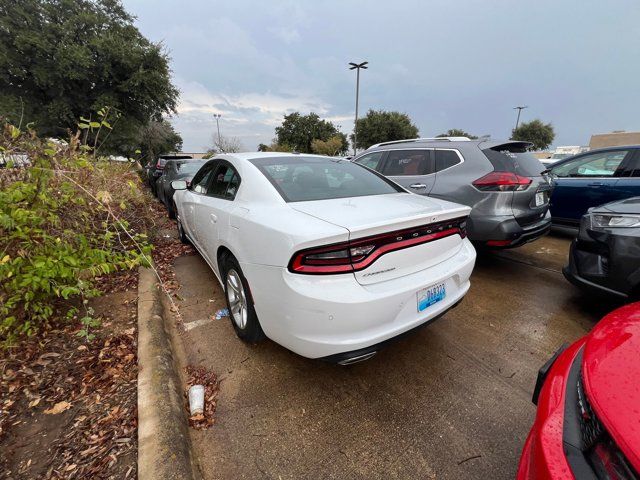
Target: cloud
pixel 287 35
pixel 252 116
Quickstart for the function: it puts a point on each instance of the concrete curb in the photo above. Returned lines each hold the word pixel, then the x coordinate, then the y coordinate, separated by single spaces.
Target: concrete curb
pixel 164 447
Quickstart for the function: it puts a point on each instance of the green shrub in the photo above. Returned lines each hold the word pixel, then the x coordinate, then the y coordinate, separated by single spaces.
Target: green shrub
pixel 65 220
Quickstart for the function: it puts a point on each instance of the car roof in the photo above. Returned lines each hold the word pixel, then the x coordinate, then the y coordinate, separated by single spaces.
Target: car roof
pixel 247 156
pixel 452 142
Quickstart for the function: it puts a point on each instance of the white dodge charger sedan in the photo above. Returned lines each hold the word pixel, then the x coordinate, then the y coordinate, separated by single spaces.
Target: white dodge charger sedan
pixel 322 255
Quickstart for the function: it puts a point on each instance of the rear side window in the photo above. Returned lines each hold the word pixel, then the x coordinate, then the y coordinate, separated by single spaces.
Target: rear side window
pixel 446 159
pixel 372 160
pixel 408 162
pixel 300 179
pixel 514 157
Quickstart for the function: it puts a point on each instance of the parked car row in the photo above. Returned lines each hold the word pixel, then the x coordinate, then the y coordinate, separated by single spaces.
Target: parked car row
pixel 153 170
pixel 334 258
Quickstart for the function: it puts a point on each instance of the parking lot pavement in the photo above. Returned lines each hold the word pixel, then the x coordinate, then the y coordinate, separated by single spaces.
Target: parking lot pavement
pixel 451 401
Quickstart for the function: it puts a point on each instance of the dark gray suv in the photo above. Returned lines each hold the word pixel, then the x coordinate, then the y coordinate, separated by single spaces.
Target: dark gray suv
pixel 501 181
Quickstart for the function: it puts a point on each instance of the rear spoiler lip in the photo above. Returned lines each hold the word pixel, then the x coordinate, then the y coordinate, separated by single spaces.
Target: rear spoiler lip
pixel 497 144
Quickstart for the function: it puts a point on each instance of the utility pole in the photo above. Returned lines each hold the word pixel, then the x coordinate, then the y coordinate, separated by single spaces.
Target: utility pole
pixel 217 117
pixel 357 67
pixel 519 110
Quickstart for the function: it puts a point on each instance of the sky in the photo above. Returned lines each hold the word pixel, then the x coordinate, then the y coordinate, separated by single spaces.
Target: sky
pixel 446 63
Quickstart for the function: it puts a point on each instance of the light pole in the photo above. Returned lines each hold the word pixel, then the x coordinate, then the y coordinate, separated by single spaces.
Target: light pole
pixel 217 117
pixel 519 110
pixel 357 66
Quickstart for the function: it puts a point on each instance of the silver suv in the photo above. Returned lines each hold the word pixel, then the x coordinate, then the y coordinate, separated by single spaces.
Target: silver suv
pixel 502 182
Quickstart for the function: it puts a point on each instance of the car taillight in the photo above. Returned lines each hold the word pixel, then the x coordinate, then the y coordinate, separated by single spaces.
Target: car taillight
pixel 502 182
pixel 358 254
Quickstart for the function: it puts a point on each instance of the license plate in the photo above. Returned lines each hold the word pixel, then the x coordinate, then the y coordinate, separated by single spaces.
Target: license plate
pixel 430 295
pixel 540 199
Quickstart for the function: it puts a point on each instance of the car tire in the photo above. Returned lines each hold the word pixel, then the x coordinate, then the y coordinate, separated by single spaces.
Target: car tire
pixel 240 303
pixel 181 234
pixel 171 208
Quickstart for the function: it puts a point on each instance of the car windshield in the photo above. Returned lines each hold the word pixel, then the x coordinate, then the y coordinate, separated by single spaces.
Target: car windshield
pixel 300 179
pixel 189 167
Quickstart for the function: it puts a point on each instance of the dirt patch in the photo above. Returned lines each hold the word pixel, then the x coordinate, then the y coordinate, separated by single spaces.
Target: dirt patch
pixel 68 407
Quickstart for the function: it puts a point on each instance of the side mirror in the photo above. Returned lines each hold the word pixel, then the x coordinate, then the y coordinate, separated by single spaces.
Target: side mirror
pixel 179 185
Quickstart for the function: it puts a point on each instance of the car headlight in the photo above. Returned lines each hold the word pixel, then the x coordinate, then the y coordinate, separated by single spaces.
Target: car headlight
pixel 603 220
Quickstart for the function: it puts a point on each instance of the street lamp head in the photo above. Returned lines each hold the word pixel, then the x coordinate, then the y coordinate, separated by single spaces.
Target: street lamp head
pixel 358 65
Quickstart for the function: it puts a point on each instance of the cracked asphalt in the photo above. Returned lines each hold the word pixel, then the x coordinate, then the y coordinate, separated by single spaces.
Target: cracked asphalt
pixel 451 401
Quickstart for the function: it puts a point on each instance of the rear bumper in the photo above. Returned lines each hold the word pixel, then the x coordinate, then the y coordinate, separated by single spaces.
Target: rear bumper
pixel 505 231
pixel 354 356
pixel 324 316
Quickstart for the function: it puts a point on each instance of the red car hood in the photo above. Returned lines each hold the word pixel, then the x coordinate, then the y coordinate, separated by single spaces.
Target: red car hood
pixel 611 373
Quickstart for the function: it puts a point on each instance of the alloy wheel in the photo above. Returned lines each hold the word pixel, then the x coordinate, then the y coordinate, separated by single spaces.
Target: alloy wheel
pixel 237 299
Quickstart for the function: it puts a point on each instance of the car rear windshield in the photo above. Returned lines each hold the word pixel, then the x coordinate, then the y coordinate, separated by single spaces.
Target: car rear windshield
pixel 162 161
pixel 300 179
pixel 189 167
pixel 514 157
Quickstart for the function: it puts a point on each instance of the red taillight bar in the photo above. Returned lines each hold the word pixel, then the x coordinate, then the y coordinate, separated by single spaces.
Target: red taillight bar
pixel 502 182
pixel 340 257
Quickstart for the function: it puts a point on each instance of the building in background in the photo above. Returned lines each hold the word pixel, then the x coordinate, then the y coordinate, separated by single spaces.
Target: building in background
pixel 614 139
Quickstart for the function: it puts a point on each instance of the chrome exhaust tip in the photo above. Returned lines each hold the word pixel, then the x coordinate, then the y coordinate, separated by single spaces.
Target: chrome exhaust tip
pixel 357 359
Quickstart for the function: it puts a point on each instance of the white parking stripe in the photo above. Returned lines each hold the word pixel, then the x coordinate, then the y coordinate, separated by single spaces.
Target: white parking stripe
pixel 197 323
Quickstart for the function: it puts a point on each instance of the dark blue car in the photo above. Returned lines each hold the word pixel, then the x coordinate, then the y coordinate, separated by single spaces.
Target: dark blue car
pixel 591 179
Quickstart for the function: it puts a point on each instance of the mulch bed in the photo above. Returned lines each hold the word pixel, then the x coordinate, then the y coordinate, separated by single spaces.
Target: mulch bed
pixel 69 407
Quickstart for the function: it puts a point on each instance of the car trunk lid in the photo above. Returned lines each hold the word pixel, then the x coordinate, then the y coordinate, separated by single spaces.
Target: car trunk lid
pixel 374 217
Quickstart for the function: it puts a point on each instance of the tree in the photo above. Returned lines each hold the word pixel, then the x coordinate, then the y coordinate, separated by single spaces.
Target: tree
pixel 380 126
pixel 456 132
pixel 63 59
pixel 298 131
pixel 330 147
pixel 274 147
pixel 224 144
pixel 157 138
pixel 536 132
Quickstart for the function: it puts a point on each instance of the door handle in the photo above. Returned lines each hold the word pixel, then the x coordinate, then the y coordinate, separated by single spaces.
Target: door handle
pixel 418 185
pixel 213 217
pixel 595 184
